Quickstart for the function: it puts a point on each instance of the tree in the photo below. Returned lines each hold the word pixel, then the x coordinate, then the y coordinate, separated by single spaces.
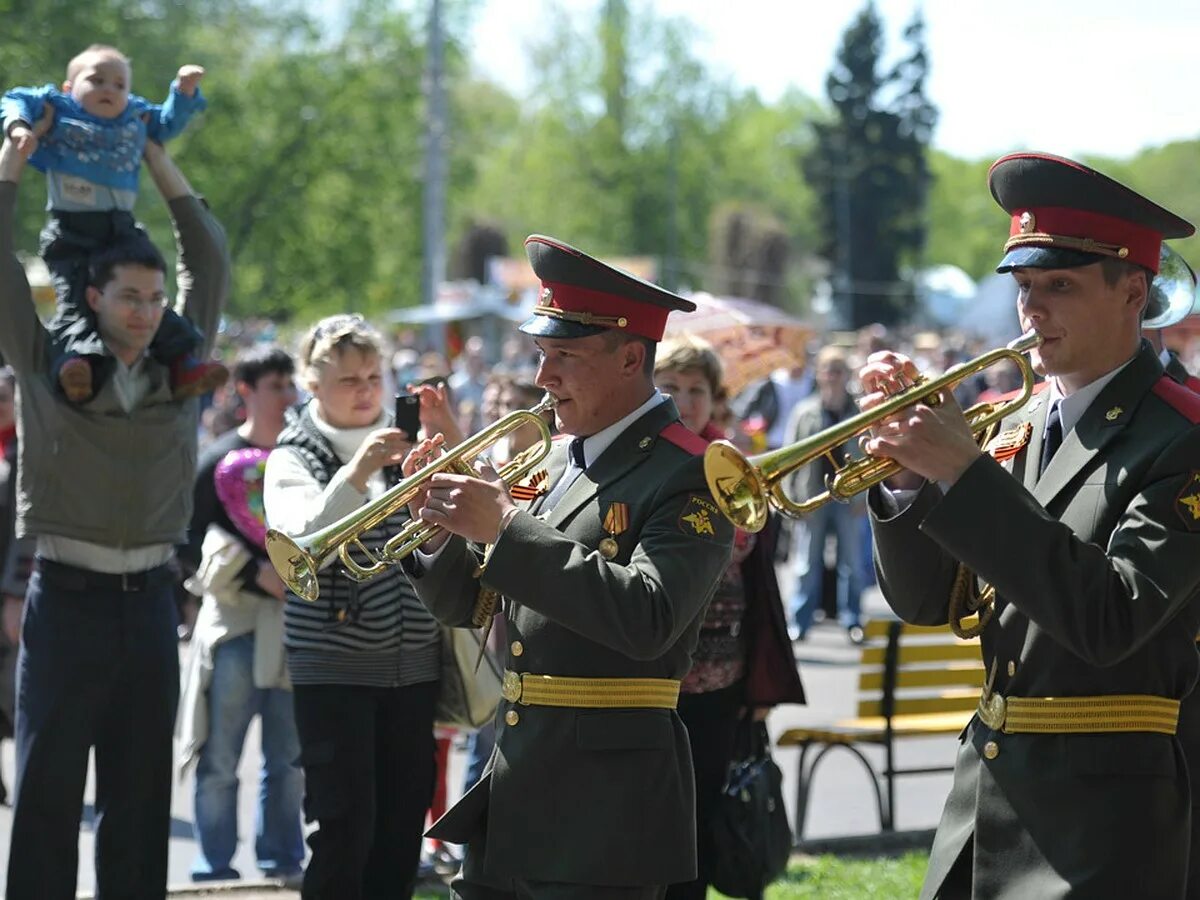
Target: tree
pixel 870 171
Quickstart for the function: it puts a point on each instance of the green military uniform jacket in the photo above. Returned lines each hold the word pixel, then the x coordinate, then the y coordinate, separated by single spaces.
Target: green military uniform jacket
pixel 592 796
pixel 1096 565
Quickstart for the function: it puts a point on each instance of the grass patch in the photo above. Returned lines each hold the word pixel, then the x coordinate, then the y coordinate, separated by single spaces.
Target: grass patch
pixel 839 878
pixel 826 877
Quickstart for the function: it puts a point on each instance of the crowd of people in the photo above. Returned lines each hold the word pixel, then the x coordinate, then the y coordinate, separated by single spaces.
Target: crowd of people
pixel 637 627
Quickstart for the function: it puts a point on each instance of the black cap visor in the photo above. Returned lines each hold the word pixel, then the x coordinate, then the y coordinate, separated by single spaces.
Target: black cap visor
pixel 549 326
pixel 1046 258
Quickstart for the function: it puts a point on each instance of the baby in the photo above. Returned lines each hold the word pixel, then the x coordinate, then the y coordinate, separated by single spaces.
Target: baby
pixel 89 138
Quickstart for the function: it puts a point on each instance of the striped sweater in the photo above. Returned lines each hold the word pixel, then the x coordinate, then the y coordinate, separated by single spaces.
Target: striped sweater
pixel 375 633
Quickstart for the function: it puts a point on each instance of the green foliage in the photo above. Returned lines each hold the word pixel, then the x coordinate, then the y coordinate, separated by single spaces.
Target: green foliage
pixel 966 227
pixel 870 171
pixel 629 144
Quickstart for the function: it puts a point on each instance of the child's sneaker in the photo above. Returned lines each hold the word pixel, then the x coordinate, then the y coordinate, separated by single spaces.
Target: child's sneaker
pixel 75 379
pixel 192 378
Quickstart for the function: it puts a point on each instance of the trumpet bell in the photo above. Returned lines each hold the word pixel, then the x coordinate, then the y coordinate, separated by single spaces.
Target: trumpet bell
pixel 296 568
pixel 737 486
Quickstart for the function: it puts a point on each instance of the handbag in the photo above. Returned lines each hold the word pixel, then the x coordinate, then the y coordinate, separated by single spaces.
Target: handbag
pixel 467 697
pixel 751 839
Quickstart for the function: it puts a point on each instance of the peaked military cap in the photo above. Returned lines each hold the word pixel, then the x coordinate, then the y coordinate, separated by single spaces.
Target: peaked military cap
pixel 582 296
pixel 1065 214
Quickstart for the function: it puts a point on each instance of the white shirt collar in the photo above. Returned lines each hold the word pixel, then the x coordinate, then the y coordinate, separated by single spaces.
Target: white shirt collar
pixel 1073 406
pixel 595 444
pixel 1164 356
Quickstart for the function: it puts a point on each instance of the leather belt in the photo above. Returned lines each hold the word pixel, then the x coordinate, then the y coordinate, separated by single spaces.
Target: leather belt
pixel 1079 715
pixel 590 693
pixel 73 578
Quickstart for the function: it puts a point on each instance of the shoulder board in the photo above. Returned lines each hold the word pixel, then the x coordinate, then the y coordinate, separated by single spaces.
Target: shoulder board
pixel 683 437
pixel 1013 395
pixel 1179 398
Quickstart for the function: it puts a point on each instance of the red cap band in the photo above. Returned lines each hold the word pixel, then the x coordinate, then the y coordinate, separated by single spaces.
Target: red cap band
pixel 580 304
pixel 1142 244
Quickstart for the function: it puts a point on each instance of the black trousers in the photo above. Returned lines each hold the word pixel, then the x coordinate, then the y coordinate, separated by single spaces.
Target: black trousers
pixel 368 756
pixel 711 719
pixel 68 243
pixel 97 668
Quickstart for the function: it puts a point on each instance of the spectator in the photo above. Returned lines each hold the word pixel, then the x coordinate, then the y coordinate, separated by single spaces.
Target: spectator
pixel 469 377
pixel 236 669
pixel 743 659
pixel 15 557
pixel 364 658
pixel 832 403
pixel 106 489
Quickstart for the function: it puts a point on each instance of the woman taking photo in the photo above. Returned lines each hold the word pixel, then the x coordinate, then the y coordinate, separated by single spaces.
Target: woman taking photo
pixel 364 658
pixel 743 662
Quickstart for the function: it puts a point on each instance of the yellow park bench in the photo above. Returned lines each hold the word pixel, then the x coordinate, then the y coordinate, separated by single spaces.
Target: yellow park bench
pixel 914 681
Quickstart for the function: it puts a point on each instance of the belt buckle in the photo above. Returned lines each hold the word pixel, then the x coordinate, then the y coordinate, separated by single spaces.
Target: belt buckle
pixel 992 711
pixel 511 687
pixel 992 708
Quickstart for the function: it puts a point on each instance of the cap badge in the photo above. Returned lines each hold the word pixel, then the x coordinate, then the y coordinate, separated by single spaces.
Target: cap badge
pixel 547 295
pixel 1113 414
pixel 1027 222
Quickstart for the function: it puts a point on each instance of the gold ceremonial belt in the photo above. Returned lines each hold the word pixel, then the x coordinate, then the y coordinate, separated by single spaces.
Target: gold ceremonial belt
pixel 1069 715
pixel 590 693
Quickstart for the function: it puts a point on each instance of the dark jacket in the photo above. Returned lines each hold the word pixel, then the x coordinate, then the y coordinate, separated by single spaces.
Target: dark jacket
pixel 1096 565
pixel 139 465
pixel 771 674
pixel 592 796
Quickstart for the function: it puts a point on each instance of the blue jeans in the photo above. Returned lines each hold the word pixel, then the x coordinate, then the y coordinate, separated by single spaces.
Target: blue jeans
pixel 480 745
pixel 809 553
pixel 233 701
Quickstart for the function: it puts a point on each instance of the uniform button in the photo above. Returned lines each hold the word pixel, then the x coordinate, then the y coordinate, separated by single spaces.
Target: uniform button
pixel 517 648
pixel 511 717
pixel 990 750
pixel 1012 668
pixel 644 443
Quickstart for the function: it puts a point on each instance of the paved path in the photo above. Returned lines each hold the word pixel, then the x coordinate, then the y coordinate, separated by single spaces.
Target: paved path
pixel 841 803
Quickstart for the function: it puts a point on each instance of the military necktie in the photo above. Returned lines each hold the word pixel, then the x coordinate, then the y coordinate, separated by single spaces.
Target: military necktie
pixel 1054 436
pixel 577 463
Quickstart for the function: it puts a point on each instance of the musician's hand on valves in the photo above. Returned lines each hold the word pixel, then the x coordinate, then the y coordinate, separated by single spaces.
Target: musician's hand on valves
pixel 932 441
pixel 471 507
pixel 383 447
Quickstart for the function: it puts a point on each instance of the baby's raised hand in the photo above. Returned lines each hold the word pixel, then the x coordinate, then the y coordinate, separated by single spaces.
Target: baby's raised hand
pixel 188 78
pixel 25 138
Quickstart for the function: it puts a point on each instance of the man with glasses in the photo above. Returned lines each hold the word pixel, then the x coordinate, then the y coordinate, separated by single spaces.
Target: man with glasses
pixel 106 488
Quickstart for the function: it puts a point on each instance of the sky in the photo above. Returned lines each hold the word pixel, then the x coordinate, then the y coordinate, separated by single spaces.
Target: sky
pixel 1073 77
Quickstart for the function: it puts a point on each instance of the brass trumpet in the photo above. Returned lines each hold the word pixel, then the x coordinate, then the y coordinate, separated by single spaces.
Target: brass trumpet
pixel 745 487
pixel 298 559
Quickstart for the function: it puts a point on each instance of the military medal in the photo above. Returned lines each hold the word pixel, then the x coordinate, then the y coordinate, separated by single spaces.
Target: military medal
pixel 1008 444
pixel 616 520
pixel 531 489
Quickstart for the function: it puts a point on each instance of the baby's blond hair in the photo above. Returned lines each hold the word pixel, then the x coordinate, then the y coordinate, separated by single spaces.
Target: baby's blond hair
pixel 80 59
